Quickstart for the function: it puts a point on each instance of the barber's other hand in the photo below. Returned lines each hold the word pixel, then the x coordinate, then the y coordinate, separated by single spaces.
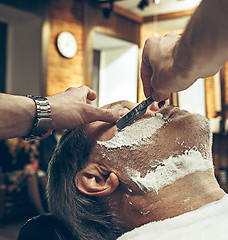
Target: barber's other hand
pixel 69 109
pixel 157 67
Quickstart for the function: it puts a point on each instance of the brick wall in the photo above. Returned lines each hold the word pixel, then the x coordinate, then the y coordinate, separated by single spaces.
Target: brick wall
pixel 80 19
pixel 62 72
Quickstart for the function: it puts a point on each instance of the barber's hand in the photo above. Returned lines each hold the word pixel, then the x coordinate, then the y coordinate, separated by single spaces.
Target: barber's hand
pixel 157 74
pixel 69 109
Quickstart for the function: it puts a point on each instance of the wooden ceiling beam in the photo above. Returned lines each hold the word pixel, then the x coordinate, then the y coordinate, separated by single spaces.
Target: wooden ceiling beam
pixel 124 12
pixel 167 16
pixel 128 14
pixel 140 19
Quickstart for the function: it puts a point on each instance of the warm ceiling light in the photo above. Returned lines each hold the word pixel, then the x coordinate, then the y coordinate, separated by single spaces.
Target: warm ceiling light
pixel 156 2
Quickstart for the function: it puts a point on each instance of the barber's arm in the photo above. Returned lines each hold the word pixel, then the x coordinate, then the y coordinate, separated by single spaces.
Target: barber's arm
pixel 173 63
pixel 68 110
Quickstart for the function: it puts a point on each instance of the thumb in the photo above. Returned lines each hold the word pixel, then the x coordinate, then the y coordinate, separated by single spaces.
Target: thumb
pixel 159 96
pixel 105 115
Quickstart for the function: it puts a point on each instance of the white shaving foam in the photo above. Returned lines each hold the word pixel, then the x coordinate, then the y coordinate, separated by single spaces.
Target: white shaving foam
pixel 171 170
pixel 135 134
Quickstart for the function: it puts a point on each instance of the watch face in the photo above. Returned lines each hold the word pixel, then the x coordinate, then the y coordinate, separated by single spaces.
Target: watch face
pixel 67 44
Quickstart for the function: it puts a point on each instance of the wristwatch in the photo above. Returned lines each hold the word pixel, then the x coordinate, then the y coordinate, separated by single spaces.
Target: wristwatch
pixel 42 122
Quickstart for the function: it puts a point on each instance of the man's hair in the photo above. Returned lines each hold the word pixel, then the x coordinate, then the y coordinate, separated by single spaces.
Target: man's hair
pixel 87 217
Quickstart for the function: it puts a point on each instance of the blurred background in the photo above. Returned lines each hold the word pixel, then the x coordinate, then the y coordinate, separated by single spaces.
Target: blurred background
pixel 47 46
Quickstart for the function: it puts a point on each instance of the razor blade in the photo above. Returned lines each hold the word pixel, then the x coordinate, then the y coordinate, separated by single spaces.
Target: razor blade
pixel 135 114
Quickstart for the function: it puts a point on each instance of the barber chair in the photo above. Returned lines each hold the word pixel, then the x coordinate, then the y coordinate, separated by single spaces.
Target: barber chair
pixel 44 227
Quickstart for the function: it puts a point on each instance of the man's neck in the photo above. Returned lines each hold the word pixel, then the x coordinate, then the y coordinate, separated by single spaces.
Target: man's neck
pixel 184 195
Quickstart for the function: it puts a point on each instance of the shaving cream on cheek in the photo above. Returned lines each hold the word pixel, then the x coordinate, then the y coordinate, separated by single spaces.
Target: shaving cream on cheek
pixel 170 170
pixel 136 134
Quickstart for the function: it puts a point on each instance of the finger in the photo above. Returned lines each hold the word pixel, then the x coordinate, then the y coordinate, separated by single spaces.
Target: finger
pixel 146 70
pixel 91 95
pixel 154 107
pixel 146 74
pixel 88 93
pixel 159 96
pixel 100 114
pixel 167 102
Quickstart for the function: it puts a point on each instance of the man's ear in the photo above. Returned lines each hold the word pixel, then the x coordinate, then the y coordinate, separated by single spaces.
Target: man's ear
pixel 93 181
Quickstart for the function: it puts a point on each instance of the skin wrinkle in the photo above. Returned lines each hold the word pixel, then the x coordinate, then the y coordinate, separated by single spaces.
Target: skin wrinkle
pixel 143 165
pixel 132 207
pixel 203 149
pixel 171 203
pixel 169 140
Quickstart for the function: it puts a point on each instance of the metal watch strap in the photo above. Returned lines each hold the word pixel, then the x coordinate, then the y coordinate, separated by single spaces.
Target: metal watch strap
pixel 42 122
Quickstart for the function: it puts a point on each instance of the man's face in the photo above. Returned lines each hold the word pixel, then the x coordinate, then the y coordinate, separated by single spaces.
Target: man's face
pixel 173 132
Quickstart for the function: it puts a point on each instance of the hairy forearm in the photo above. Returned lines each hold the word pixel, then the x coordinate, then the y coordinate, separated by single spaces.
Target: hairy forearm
pixel 203 47
pixel 17 114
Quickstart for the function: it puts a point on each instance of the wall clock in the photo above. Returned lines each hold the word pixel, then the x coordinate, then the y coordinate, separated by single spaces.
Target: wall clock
pixel 66 44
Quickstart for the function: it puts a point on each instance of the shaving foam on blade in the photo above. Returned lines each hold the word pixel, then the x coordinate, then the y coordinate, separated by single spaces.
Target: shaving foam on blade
pixel 135 134
pixel 171 170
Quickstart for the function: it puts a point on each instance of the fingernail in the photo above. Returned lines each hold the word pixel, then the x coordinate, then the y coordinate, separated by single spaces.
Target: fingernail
pixel 160 104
